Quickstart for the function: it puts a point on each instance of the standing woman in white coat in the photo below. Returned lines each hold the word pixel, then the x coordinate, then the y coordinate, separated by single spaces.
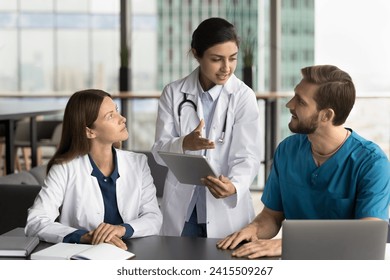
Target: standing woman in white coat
pixel 210 112
pixel 93 192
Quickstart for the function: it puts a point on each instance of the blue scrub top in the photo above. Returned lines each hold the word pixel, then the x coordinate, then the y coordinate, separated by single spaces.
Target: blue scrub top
pixel 354 183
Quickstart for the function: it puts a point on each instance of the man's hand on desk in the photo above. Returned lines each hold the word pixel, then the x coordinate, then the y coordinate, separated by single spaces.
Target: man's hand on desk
pixel 260 248
pixel 254 248
pixel 248 233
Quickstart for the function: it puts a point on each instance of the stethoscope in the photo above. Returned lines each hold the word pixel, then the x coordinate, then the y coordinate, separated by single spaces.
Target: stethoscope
pixel 221 139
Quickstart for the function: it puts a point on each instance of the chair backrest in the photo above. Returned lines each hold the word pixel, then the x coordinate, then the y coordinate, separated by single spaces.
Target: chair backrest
pixel 159 172
pixel 56 136
pixel 14 203
pixel 388 233
pixel 2 129
pixel 48 133
pixel 21 178
pixel 39 172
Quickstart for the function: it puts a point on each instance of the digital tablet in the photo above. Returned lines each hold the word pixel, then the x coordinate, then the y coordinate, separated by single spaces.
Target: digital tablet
pixel 188 169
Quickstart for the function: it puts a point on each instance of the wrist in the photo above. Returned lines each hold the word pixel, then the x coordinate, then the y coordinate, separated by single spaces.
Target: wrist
pixel 254 228
pixel 128 231
pixel 184 143
pixel 122 231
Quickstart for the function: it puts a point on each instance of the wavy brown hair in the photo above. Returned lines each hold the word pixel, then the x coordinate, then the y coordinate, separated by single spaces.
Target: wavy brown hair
pixel 81 112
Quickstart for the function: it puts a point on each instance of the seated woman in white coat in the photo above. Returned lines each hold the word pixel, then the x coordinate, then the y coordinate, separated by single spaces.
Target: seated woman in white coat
pixel 94 192
pixel 210 112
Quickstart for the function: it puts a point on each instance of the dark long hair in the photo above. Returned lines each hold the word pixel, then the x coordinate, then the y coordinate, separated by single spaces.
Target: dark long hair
pixel 213 31
pixel 81 112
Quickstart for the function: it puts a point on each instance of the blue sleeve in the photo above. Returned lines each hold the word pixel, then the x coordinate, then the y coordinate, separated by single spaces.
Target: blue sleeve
pixel 373 197
pixel 129 231
pixel 271 197
pixel 75 236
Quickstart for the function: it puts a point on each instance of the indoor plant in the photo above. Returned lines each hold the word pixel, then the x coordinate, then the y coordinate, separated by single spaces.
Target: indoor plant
pixel 247 49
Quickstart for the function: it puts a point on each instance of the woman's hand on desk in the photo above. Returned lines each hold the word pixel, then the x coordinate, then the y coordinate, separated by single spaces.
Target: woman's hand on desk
pixel 87 239
pixel 118 242
pixel 194 141
pixel 219 187
pixel 106 233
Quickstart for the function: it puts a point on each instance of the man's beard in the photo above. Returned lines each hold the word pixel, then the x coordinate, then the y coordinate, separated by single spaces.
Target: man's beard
pixel 305 128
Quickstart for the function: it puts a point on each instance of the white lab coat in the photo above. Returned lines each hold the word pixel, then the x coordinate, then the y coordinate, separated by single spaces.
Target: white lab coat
pixel 72 187
pixel 237 158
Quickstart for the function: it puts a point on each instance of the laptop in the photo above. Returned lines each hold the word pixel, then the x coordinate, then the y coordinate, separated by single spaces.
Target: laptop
pixel 334 239
pixel 188 169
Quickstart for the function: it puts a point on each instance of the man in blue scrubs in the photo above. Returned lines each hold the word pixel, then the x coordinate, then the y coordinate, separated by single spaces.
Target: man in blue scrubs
pixel 323 171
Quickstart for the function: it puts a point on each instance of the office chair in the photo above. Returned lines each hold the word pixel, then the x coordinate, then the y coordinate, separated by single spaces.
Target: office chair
pixel 159 173
pixel 2 141
pixel 48 135
pixel 14 203
pixel 388 229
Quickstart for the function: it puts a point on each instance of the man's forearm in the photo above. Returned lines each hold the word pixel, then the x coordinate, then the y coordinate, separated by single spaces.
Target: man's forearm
pixel 267 226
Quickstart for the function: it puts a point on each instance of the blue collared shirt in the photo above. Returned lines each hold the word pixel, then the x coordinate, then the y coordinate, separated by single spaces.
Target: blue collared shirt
pixel 111 212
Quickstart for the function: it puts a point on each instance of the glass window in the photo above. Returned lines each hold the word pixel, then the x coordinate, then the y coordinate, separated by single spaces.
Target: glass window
pixel 36 20
pixel 36 60
pixel 8 57
pixel 72 5
pixel 105 21
pixel 8 5
pixel 104 6
pixel 73 59
pixel 72 21
pixel 36 5
pixel 8 20
pixel 105 59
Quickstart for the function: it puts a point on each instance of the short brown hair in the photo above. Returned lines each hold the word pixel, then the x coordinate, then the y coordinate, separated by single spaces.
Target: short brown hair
pixel 336 90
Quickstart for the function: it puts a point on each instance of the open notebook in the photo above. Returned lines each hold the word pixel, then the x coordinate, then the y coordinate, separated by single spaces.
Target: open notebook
pixel 68 251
